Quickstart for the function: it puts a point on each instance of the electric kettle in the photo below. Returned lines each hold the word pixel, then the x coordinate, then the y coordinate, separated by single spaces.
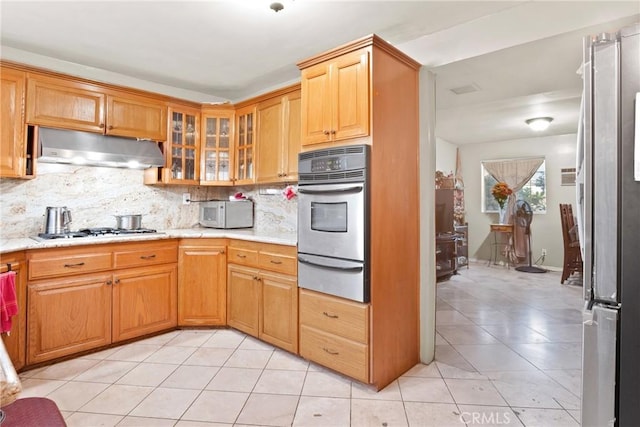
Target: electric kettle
pixel 57 220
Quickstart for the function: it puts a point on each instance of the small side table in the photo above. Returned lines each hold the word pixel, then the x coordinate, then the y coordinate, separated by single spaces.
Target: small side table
pixel 505 232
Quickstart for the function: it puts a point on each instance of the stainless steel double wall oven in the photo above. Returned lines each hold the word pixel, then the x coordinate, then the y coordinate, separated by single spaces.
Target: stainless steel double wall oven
pixel 333 221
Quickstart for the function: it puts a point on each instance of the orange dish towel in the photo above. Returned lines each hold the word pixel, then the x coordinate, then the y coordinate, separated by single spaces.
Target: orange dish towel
pixel 8 301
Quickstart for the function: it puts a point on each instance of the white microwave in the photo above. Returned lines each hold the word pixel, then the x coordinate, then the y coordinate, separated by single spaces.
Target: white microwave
pixel 227 214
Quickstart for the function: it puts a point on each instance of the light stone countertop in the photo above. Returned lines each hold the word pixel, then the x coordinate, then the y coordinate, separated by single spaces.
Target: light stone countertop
pixel 20 244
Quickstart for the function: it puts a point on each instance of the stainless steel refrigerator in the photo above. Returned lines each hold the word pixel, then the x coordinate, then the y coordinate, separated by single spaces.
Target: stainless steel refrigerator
pixel 608 199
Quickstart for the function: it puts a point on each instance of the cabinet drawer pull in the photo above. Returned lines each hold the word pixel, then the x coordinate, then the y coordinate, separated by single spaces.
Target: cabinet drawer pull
pixel 275 262
pixel 241 256
pixel 331 316
pixel 331 352
pixel 80 264
pixel 147 256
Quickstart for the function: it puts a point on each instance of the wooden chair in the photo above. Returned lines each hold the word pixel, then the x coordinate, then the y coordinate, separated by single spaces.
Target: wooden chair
pixel 572 255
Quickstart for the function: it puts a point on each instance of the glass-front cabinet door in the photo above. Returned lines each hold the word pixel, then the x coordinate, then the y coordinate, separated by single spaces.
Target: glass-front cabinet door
pixel 217 148
pixel 244 172
pixel 183 146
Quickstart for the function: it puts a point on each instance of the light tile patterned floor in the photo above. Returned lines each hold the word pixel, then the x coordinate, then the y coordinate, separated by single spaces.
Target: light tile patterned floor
pixel 507 353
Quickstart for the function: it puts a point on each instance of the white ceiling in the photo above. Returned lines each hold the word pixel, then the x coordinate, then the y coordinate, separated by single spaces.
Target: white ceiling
pixel 523 55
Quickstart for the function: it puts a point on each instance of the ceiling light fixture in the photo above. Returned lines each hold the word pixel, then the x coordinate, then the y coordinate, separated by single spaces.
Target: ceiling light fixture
pixel 539 124
pixel 276 6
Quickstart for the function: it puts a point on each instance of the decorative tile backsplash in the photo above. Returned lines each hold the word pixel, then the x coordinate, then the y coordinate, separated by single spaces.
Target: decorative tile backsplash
pixel 95 194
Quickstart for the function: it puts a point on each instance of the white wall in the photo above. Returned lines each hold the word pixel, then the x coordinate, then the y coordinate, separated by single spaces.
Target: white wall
pixel 427 217
pixel 445 156
pixel 559 152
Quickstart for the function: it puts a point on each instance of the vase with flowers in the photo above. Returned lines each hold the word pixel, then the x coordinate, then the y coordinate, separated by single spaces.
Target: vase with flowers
pixel 501 192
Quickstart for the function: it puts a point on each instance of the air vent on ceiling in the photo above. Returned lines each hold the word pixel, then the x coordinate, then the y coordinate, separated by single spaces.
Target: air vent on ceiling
pixel 460 90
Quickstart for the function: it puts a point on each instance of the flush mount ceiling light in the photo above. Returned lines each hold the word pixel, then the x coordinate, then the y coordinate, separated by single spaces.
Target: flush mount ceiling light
pixel 276 6
pixel 539 123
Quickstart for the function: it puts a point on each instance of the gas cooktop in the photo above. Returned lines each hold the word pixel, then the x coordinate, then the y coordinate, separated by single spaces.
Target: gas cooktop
pixel 94 232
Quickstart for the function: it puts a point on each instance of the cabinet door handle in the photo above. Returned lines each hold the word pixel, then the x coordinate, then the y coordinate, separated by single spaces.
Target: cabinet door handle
pixel 101 125
pixel 110 127
pixel 273 261
pixel 222 252
pixel 109 282
pixel 117 281
pixel 333 132
pixel 331 352
pixel 147 256
pixel 326 132
pixel 330 316
pixel 80 264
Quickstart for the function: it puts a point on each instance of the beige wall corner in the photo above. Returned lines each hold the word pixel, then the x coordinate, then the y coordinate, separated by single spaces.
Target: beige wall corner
pixel 427 227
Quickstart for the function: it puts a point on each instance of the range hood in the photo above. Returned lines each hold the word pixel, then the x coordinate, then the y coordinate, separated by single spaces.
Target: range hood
pixel 86 148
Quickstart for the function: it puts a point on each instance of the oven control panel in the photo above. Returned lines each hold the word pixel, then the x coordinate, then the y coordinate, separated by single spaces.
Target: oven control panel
pixel 328 164
pixel 348 163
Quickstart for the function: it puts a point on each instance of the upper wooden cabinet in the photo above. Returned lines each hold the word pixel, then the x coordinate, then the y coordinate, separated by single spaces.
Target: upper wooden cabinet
pixel 182 150
pixel 216 151
pixel 136 117
pixel 15 159
pixel 245 145
pixel 82 106
pixel 278 134
pixel 335 98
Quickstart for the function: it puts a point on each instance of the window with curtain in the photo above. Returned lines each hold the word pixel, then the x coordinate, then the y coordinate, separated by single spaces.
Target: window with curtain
pixel 534 191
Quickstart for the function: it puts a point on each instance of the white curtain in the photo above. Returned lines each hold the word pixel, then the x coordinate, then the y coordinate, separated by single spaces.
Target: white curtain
pixel 515 173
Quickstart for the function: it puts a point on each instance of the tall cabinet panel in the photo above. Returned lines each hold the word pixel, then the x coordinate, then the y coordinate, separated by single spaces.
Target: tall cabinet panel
pixel 373 99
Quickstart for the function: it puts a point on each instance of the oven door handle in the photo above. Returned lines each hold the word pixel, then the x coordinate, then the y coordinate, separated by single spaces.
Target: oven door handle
pixel 355 189
pixel 330 267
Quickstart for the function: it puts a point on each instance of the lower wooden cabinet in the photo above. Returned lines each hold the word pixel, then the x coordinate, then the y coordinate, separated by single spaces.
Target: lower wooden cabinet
pixel 73 312
pixel 262 293
pixel 243 299
pixel 202 283
pixel 279 311
pixel 334 332
pixel 15 342
pixel 144 301
pixel 68 316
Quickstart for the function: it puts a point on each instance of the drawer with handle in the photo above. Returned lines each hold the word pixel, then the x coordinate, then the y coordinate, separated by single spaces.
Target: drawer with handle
pixel 348 357
pixel 280 263
pixel 145 254
pixel 66 263
pixel 347 319
pixel 242 256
